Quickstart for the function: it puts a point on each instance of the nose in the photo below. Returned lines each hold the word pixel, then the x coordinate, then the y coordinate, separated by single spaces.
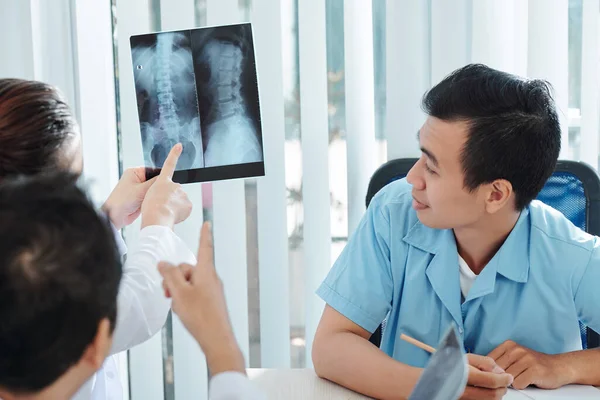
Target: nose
pixel 415 176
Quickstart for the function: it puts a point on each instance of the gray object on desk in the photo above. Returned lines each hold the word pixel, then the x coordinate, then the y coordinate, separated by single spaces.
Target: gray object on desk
pixel 446 373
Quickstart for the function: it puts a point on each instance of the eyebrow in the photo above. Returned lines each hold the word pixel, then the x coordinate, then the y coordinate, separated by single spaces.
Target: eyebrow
pixel 430 156
pixel 428 153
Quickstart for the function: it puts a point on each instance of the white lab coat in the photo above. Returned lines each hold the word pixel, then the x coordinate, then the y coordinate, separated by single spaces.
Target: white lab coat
pixel 141 312
pixel 142 307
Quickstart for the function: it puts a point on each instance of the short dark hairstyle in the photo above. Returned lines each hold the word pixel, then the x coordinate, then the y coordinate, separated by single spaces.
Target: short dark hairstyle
pixel 35 124
pixel 514 129
pixel 60 272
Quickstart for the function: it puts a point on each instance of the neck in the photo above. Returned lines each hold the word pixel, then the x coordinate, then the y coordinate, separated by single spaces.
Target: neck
pixel 62 389
pixel 478 243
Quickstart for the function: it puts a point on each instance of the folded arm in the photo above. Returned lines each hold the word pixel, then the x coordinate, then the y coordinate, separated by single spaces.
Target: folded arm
pixel 343 354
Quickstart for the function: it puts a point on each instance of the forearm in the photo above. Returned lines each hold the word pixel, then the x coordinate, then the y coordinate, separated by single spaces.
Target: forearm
pixel 582 366
pixel 217 341
pixel 353 362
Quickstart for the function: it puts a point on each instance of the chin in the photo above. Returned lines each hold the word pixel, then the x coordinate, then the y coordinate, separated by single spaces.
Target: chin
pixel 423 217
pixel 429 220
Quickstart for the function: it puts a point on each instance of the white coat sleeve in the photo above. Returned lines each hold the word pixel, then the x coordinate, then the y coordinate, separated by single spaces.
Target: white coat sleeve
pixel 142 307
pixel 233 386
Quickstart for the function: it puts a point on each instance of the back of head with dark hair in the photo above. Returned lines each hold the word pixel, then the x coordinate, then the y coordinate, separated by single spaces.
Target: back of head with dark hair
pixel 35 124
pixel 59 276
pixel 514 130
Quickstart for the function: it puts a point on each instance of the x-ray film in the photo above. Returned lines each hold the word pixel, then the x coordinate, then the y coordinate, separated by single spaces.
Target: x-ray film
pixel 198 87
pixel 445 375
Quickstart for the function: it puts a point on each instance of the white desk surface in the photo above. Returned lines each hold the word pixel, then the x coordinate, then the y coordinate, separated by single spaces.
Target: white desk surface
pixel 301 384
pixel 297 384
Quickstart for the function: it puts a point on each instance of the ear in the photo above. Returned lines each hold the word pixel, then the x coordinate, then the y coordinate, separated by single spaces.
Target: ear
pixel 97 351
pixel 499 194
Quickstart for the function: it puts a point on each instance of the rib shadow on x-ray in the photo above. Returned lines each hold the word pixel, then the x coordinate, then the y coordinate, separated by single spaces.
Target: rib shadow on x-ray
pixel 199 87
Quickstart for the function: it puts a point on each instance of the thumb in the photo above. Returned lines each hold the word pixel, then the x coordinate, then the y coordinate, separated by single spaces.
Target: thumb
pixel 139 173
pixel 144 186
pixel 173 277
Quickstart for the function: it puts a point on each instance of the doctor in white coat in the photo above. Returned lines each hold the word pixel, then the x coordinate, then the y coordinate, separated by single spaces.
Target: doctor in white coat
pixel 38 133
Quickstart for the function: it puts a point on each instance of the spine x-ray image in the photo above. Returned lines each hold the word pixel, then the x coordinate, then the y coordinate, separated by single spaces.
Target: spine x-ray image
pixel 199 87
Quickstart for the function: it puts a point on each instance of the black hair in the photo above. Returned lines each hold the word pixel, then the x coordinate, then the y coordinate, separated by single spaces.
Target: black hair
pixel 60 272
pixel 514 129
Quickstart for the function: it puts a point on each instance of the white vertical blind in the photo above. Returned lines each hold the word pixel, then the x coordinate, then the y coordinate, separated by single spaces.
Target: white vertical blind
pixel 133 17
pixel 408 68
pixel 16 22
pixel 54 46
pixel 229 216
pixel 493 35
pixel 450 37
pixel 590 83
pixel 521 42
pixel 189 366
pixel 222 12
pixel 272 227
pixel 95 90
pixel 177 15
pixel 315 145
pixel 360 104
pixel 548 55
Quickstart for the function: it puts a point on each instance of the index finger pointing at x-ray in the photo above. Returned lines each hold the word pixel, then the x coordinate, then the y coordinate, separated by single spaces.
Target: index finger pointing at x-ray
pixel 168 168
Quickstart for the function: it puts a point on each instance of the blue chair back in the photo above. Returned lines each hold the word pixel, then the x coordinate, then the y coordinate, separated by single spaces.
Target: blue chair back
pixel 573 189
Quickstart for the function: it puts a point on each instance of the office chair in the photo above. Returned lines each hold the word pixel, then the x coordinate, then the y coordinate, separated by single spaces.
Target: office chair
pixel 573 189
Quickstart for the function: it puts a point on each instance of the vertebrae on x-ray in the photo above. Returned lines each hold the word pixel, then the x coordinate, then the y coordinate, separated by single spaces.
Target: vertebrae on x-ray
pixel 230 133
pixel 166 77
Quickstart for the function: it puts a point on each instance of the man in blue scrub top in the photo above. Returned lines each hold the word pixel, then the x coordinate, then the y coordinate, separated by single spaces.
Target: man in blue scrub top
pixel 462 241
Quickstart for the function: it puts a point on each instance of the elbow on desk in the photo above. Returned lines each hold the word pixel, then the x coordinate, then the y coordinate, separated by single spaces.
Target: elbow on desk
pixel 320 356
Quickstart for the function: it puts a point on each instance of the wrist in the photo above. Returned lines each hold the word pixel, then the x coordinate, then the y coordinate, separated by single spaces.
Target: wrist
pixel 115 219
pixel 162 216
pixel 223 357
pixel 565 369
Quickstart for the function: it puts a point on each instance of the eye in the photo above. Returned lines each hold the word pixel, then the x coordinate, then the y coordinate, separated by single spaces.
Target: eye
pixel 429 170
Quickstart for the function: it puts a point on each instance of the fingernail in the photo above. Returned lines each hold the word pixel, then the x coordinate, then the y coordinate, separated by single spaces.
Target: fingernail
pixel 498 370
